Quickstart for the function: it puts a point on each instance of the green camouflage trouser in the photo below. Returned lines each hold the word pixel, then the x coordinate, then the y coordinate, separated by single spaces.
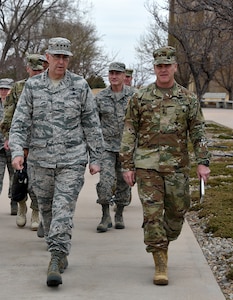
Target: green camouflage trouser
pixel 165 199
pixel 57 191
pixel 112 183
pixel 5 161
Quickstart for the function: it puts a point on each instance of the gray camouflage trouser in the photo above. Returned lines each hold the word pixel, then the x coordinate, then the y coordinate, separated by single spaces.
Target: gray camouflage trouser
pixel 57 191
pixel 111 181
pixel 34 203
pixel 165 199
pixel 5 161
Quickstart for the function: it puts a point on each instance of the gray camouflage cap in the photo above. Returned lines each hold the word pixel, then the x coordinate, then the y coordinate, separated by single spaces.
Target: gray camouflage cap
pixel 6 83
pixel 43 58
pixel 117 66
pixel 34 62
pixel 59 45
pixel 164 55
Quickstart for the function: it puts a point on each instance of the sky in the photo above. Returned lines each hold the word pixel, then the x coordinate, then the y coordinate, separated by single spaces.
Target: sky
pixel 120 23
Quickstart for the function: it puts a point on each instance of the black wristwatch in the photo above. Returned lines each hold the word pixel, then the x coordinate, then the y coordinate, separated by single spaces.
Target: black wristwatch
pixel 205 163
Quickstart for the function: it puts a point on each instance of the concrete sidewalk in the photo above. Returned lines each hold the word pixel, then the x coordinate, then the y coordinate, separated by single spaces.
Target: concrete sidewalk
pixel 102 266
pixel 221 116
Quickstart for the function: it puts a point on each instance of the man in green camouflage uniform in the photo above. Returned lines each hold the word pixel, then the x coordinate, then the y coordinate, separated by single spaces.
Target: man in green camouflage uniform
pixel 57 113
pixel 128 77
pixel 33 67
pixel 5 155
pixel 154 154
pixel 111 104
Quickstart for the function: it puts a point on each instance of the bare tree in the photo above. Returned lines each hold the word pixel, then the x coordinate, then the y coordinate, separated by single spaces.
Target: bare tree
pixel 219 26
pixel 224 78
pixel 155 37
pixel 17 19
pixel 198 40
pixel 26 26
pixel 141 75
pixel 20 23
pixel 221 9
pixel 87 56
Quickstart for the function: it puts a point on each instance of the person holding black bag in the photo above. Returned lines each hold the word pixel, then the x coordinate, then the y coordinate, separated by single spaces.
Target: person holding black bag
pixel 5 155
pixel 33 66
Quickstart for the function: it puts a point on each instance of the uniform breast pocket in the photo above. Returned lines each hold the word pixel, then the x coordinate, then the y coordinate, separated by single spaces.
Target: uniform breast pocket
pixel 41 110
pixel 175 113
pixel 107 110
pixel 107 116
pixel 149 113
pixel 182 114
pixel 72 112
pixel 171 118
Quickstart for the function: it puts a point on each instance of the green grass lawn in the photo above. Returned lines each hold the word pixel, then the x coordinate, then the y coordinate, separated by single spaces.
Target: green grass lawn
pixel 217 208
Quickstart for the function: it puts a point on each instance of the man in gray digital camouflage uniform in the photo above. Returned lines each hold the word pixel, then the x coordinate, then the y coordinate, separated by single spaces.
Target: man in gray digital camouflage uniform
pixel 57 113
pixel 154 154
pixel 33 67
pixel 111 104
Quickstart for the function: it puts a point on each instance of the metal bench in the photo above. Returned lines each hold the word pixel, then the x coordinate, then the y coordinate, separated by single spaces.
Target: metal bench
pixel 228 104
pixel 214 99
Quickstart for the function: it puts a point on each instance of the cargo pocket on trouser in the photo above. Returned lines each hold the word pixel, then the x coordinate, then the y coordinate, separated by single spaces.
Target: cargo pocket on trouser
pixel 176 203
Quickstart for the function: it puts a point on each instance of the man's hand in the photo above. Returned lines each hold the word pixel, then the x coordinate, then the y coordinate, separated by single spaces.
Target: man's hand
pixel 94 169
pixel 6 145
pixel 129 177
pixel 17 162
pixel 203 172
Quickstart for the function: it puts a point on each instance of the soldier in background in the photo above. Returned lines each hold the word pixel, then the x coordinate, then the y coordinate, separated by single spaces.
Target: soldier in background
pixel 57 114
pixel 45 63
pixel 5 155
pixel 111 105
pixel 33 67
pixel 154 154
pixel 128 77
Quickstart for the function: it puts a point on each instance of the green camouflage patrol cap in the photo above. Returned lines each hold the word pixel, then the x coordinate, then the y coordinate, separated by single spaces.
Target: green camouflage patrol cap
pixel 6 83
pixel 59 45
pixel 164 55
pixel 117 66
pixel 128 72
pixel 34 62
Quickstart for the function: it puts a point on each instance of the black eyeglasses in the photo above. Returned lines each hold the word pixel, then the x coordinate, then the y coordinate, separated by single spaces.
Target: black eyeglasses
pixel 60 56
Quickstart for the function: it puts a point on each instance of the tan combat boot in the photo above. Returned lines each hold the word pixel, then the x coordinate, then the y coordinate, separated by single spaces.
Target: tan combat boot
pixel 160 259
pixel 35 220
pixel 106 221
pixel 21 218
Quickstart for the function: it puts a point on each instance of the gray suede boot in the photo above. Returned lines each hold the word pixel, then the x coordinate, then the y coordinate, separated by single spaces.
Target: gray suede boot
pixel 106 221
pixel 14 208
pixel 119 222
pixel 40 230
pixel 57 265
